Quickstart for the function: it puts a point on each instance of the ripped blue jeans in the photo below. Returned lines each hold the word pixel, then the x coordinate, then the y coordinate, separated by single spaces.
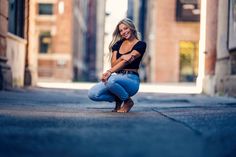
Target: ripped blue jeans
pixel 120 86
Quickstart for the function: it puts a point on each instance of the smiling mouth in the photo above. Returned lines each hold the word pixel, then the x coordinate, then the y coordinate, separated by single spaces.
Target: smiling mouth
pixel 126 35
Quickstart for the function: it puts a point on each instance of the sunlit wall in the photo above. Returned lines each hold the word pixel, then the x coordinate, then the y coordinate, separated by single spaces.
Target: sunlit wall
pixel 115 11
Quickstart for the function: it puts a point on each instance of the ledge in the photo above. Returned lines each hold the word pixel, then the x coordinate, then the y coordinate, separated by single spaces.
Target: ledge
pixel 55 56
pixel 46 18
pixel 16 38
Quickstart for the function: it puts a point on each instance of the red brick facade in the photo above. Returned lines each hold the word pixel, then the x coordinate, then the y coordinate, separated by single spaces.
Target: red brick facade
pixel 169 33
pixel 211 36
pixel 57 64
pixel 5 70
pixel 3 27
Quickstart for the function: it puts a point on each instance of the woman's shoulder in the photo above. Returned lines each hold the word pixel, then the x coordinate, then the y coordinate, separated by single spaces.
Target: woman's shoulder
pixel 117 45
pixel 141 43
pixel 119 42
pixel 140 46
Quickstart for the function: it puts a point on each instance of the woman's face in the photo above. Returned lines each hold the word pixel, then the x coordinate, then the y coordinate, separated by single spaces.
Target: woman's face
pixel 125 31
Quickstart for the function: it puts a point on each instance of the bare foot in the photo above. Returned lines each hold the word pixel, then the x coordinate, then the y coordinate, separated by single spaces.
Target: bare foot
pixel 128 104
pixel 118 106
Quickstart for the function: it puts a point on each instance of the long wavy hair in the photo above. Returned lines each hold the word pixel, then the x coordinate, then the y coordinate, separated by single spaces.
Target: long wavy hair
pixel 116 34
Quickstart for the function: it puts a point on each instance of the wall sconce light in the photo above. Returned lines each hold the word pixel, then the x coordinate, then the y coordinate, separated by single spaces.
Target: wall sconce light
pixel 61 7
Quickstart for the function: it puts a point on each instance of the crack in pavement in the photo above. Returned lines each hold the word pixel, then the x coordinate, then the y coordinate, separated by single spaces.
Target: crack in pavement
pixel 197 132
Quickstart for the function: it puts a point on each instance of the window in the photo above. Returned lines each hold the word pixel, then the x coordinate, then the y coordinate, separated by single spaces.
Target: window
pixel 232 26
pixel 45 9
pixel 45 42
pixel 16 17
pixel 187 10
pixel 188 61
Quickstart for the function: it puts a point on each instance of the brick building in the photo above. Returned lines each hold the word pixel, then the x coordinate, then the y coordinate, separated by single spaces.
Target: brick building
pixel 32 35
pixel 173 36
pixel 177 41
pixel 220 47
pixel 171 29
pixel 16 25
pixel 88 39
pixel 54 35
pixel 5 71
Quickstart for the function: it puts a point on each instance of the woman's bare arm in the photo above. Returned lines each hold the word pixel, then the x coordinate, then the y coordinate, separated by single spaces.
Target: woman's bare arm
pixel 114 61
pixel 120 63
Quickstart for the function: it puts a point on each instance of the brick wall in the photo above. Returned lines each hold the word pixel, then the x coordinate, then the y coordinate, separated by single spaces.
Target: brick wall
pixel 31 73
pixel 57 64
pixel 168 35
pixel 211 36
pixel 62 40
pixel 3 26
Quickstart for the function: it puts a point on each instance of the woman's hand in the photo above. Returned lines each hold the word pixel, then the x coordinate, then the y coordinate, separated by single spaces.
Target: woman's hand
pixel 106 75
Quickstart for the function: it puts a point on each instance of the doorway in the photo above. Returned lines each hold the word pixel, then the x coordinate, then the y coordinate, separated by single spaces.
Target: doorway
pixel 188 61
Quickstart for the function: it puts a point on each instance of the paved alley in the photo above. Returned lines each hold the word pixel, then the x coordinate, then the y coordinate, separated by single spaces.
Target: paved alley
pixel 40 122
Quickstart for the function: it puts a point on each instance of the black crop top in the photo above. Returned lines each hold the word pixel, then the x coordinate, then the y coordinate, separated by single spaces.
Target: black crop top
pixel 140 46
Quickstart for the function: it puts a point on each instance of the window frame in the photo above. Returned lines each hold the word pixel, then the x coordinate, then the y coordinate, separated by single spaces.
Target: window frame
pixel 44 34
pixel 180 17
pixel 16 15
pixel 46 14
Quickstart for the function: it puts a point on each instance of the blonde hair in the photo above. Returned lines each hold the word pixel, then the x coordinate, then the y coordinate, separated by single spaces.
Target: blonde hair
pixel 116 34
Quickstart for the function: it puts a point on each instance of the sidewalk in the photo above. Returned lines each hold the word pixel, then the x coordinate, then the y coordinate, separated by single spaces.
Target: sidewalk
pixel 60 122
pixel 172 88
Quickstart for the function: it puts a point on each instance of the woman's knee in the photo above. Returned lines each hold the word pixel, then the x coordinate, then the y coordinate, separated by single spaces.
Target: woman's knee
pixel 110 82
pixel 92 95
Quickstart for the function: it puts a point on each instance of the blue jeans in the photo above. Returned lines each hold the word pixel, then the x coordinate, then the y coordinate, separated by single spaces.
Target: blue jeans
pixel 122 86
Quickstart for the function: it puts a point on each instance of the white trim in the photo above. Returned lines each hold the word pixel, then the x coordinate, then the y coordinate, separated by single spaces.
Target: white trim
pixel 54 56
pixel 202 46
pixel 51 18
pixel 45 28
pixel 16 38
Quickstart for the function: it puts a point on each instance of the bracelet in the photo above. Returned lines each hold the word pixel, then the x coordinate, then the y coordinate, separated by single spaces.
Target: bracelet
pixel 109 71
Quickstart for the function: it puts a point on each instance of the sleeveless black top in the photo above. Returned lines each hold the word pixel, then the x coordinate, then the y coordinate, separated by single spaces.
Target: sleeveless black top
pixel 140 46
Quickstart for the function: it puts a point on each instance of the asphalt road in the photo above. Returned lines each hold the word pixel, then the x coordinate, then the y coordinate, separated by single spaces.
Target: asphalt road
pixel 39 122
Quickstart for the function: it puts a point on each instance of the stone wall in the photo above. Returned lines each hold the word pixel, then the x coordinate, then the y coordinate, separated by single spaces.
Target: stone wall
pixel 219 76
pixel 31 73
pixel 225 80
pixel 5 70
pixel 16 49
